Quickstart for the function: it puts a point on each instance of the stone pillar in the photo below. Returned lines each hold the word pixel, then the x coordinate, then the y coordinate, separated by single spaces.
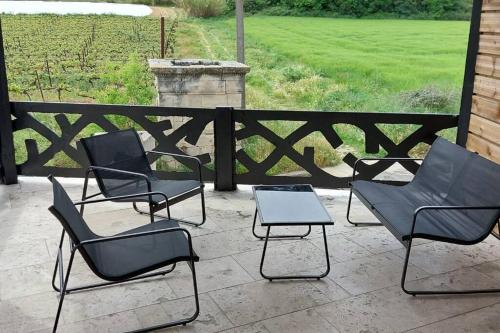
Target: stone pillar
pixel 198 84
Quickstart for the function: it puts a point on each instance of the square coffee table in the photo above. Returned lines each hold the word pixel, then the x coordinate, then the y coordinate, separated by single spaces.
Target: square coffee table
pixel 289 205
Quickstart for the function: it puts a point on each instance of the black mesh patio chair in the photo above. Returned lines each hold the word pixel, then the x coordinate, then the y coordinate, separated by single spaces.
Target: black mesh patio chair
pixel 454 198
pixel 131 255
pixel 121 167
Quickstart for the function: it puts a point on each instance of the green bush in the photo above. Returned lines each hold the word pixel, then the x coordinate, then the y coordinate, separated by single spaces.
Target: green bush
pixel 202 8
pixel 129 83
pixel 430 98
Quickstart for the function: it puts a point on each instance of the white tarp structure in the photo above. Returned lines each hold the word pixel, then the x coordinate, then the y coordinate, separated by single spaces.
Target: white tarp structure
pixel 85 8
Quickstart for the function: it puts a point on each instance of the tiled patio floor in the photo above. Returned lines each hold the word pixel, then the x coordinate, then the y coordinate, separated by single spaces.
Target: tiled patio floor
pixel 361 293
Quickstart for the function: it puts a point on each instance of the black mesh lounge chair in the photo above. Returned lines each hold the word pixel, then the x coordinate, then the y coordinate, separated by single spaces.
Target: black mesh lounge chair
pixel 121 167
pixel 454 197
pixel 127 256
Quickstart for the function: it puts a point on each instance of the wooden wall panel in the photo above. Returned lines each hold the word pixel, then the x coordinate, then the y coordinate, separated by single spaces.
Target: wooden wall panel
pixel 483 147
pixel 486 108
pixel 484 125
pixel 484 128
pixel 487 86
pixel 489 5
pixel 489 44
pixel 489 22
pixel 489 65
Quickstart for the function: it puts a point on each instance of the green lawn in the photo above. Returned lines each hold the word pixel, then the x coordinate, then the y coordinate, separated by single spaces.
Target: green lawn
pixel 346 64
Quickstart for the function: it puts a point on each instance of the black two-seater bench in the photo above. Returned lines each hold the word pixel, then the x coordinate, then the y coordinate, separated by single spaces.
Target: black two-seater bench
pixel 454 198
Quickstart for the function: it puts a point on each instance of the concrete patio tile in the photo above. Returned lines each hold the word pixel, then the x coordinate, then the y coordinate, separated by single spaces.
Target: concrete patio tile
pixel 29 230
pixel 371 273
pixel 464 278
pixel 116 322
pixel 491 268
pixel 289 258
pixel 391 310
pixel 104 301
pixel 437 257
pixel 28 313
pixel 25 281
pixel 302 321
pixel 249 328
pixel 340 248
pixel 484 320
pixel 330 289
pixel 260 300
pixel 374 239
pixel 24 215
pixel 231 219
pixel 225 243
pixel 20 254
pixel 212 274
pixel 492 245
pixel 211 319
pixel 4 200
pixel 32 184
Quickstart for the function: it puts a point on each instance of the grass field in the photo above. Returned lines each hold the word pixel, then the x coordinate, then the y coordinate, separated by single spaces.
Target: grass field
pixel 297 63
pixel 344 64
pixel 341 65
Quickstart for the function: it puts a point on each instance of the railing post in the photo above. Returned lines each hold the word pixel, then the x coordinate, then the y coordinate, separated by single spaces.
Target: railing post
pixel 469 74
pixel 224 149
pixel 8 170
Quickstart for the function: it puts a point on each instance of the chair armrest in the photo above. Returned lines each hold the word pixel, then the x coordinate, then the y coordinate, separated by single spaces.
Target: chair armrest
pixel 92 168
pixel 120 197
pixel 137 234
pixel 198 161
pixel 424 208
pixel 381 159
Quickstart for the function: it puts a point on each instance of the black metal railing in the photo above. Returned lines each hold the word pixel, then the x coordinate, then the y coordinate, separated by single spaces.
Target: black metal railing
pixel 231 129
pixel 324 122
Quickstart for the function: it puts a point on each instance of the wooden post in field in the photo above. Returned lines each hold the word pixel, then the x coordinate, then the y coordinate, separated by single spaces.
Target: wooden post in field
pixel 240 34
pixel 240 41
pixel 162 37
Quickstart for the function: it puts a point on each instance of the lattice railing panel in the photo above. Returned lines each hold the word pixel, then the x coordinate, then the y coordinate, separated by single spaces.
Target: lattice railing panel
pixel 61 125
pixel 254 123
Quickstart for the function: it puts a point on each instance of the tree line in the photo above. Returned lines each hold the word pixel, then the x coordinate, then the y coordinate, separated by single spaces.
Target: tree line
pixel 428 9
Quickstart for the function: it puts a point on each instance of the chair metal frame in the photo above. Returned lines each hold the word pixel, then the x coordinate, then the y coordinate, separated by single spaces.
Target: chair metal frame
pixel 153 208
pixel 407 244
pixel 63 278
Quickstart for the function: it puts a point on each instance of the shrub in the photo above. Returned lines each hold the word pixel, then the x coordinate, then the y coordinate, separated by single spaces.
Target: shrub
pixel 295 73
pixel 130 83
pixel 431 98
pixel 202 8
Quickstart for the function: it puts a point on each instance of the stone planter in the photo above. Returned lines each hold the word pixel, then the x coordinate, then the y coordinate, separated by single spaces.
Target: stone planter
pixel 198 84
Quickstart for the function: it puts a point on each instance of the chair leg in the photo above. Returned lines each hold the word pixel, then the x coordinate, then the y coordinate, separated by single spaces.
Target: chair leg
pixel 63 286
pixel 84 194
pixel 59 263
pixel 181 321
pixel 436 292
pixel 357 223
